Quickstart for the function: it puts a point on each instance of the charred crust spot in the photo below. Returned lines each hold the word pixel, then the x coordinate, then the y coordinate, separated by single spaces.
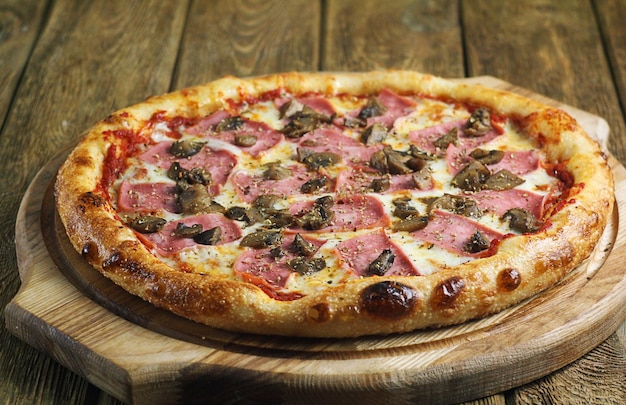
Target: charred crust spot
pixel 388 299
pixel 90 200
pixel 446 293
pixel 90 252
pixel 320 312
pixel 509 279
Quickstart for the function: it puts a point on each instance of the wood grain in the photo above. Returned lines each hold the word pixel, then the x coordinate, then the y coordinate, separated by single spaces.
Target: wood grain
pixel 128 354
pixel 408 34
pixel 245 38
pixel 551 48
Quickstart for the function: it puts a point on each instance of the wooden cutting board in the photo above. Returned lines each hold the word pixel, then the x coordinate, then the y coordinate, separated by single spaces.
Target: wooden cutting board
pixel 143 355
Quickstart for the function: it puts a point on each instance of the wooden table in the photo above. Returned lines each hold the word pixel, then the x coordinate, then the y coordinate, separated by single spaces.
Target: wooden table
pixel 65 64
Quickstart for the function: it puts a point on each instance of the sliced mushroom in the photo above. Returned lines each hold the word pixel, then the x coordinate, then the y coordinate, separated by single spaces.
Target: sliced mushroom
pixel 229 124
pixel 397 162
pixel 274 171
pixel 176 172
pixel 199 175
pixel 502 180
pixel 319 216
pixel 147 224
pixel 245 140
pixel 266 201
pixel 471 177
pixel 262 239
pixel 423 179
pixel 450 137
pixel 186 148
pixel 373 108
pixel 316 160
pixel 374 134
pixel 411 223
pixel 279 219
pixel 196 199
pixel 236 213
pixel 476 243
pixel 479 123
pixel 314 185
pixel 403 208
pixel 380 185
pixel 187 231
pixel 302 247
pixel 522 220
pixel 290 108
pixel 304 121
pixel 382 263
pixel 457 204
pixel 304 266
pixel 487 157
pixel 209 237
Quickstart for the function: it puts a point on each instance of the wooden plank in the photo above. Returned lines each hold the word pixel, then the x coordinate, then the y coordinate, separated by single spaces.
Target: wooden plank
pixel 551 47
pixel 20 21
pixel 611 15
pixel 83 67
pixel 91 58
pixel 248 38
pixel 408 34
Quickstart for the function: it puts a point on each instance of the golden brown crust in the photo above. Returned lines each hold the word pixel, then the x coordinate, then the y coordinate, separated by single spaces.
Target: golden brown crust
pixel 373 305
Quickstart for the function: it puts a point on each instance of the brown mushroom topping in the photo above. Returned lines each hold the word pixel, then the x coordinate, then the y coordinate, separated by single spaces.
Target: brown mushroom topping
pixel 209 237
pixel 197 175
pixel 147 224
pixel 411 223
pixel 315 160
pixel 304 266
pixel 476 243
pixel 487 157
pixel 390 161
pixel 403 208
pixel 314 185
pixel 502 180
pixel 479 123
pixel 236 213
pixel 457 204
pixel 302 247
pixel 229 124
pixel 450 137
pixel 522 220
pixel 186 148
pixel 185 231
pixel 245 140
pixel 290 108
pixel 304 121
pixel 279 219
pixel 423 179
pixel 471 177
pixel 196 199
pixel 374 134
pixel 319 216
pixel 274 171
pixel 373 108
pixel 262 239
pixel 381 264
pixel 380 185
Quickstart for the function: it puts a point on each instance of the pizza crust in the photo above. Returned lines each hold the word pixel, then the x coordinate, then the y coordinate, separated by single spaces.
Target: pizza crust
pixel 365 306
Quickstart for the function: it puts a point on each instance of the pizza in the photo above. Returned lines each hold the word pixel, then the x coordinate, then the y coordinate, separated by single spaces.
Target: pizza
pixel 335 204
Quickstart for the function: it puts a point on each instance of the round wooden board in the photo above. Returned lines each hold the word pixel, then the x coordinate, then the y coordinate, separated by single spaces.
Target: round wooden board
pixel 141 354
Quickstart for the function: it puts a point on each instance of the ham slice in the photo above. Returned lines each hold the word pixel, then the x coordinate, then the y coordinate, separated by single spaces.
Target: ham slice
pixel 147 197
pixel 518 162
pixel 250 187
pixel 166 243
pixel 357 253
pixel 218 162
pixel 351 213
pixel 397 106
pixel 261 264
pixel 452 232
pixel 424 138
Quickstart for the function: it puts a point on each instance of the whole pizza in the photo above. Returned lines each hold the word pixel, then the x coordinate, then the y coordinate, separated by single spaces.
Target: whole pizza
pixel 335 204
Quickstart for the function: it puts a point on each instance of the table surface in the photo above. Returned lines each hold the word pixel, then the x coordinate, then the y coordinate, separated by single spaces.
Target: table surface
pixel 65 64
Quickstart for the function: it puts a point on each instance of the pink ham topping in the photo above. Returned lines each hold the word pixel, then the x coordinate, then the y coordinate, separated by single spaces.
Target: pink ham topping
pixel 359 252
pixel 333 140
pixel 274 270
pixel 250 187
pixel 147 197
pixel 424 138
pixel 502 201
pixel 518 162
pixel 358 179
pixel 218 162
pixel 317 104
pixel 266 137
pixel 397 106
pixel 351 213
pixel 452 232
pixel 167 243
